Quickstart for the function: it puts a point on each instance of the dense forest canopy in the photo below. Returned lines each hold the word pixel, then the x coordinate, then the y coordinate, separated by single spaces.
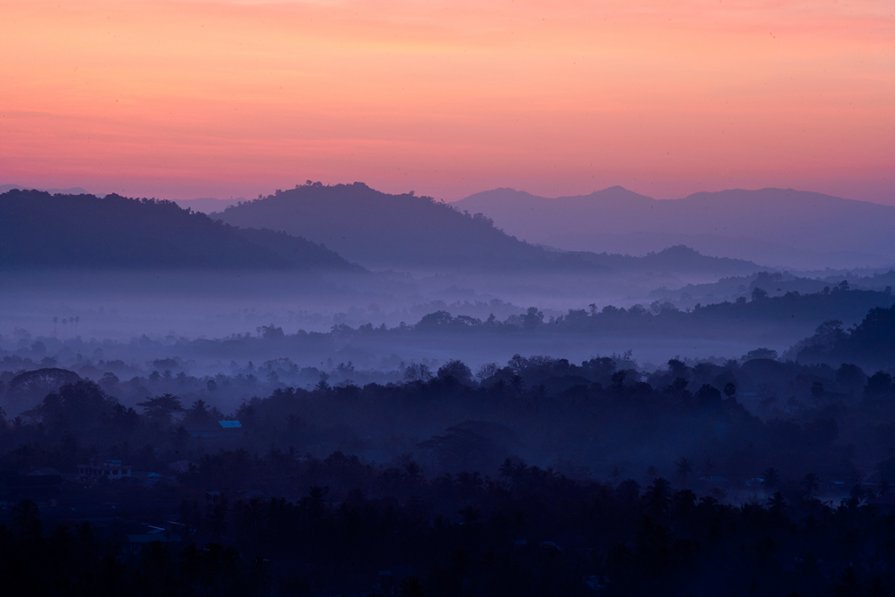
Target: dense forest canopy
pixel 647 476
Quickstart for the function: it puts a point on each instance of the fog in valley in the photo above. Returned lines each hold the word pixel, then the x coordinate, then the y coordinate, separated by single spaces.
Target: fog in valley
pixel 327 340
pixel 339 298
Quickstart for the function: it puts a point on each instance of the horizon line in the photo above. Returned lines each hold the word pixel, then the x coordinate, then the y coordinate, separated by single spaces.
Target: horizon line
pixel 4 187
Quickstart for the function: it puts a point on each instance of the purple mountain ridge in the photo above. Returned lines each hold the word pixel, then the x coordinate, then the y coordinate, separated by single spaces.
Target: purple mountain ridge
pixel 776 227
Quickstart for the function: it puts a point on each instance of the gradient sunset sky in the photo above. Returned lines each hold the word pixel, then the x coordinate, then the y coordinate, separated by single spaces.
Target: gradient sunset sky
pixel 232 98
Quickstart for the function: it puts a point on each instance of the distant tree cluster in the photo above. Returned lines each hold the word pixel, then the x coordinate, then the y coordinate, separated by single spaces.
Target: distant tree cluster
pixel 871 341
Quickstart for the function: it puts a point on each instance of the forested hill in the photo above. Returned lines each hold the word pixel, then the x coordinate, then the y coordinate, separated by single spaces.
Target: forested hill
pixel 871 342
pixel 383 230
pixel 405 231
pixel 38 229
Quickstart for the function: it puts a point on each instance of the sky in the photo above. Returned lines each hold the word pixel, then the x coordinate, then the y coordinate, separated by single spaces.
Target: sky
pixel 233 98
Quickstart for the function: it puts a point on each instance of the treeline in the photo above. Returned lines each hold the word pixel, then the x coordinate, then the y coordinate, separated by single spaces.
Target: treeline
pixel 368 353
pixel 775 284
pixel 837 303
pixel 601 418
pixel 540 476
pixel 525 531
pixel 872 341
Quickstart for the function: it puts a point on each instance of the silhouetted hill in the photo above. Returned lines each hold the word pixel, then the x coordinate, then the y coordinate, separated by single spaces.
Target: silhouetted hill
pixel 778 227
pixel 67 191
pixel 382 230
pixel 773 283
pixel 42 230
pixel 870 343
pixel 682 260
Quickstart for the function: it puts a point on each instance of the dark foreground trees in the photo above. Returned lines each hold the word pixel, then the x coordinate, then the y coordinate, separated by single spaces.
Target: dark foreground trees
pixel 780 477
pixel 527 531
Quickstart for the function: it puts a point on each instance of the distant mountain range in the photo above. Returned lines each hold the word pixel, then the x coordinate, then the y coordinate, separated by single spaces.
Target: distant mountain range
pixel 381 230
pixel 310 227
pixel 776 227
pixel 38 229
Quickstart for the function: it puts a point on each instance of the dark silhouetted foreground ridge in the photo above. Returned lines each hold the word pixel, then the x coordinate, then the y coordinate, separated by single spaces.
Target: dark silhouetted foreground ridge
pixel 83 231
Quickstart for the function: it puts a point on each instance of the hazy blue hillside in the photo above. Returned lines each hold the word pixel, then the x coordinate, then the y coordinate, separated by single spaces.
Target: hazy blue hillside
pixel 778 227
pixel 42 230
pixel 405 231
pixel 378 229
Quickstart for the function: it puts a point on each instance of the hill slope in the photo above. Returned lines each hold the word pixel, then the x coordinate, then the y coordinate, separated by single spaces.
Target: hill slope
pixel 871 343
pixel 378 229
pixel 778 227
pixel 82 231
pixel 404 231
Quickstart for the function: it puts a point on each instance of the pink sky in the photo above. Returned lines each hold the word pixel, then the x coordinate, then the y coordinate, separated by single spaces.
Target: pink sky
pixel 233 98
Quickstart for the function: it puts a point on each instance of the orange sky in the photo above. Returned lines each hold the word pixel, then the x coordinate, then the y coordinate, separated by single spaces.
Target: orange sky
pixel 233 98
